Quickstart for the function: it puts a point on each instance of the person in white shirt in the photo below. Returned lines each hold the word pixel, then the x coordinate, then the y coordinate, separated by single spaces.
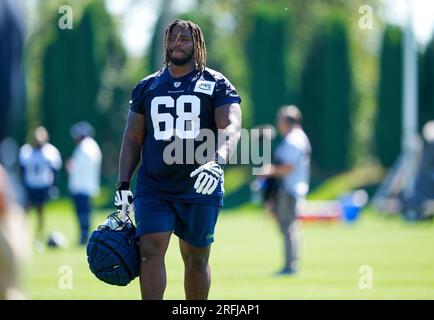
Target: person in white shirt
pixel 292 171
pixel 40 163
pixel 84 170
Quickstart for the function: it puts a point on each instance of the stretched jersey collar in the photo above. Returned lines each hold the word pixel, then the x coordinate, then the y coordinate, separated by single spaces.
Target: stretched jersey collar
pixel 166 75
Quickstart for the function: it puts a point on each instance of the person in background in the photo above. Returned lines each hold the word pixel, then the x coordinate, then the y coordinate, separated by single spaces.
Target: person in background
pixel 418 205
pixel 292 172
pixel 40 163
pixel 84 169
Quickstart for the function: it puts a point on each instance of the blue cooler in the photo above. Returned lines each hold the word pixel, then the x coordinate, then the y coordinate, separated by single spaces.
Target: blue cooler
pixel 350 213
pixel 352 203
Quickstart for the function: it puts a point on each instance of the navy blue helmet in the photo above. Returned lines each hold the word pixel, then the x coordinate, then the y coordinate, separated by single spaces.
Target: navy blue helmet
pixel 113 255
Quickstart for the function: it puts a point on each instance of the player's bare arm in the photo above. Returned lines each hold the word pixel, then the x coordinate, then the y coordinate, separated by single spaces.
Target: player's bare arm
pixel 132 142
pixel 129 158
pixel 228 121
pixel 278 171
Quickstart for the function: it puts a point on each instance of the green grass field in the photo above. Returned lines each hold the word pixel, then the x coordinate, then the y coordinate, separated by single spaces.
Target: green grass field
pixel 247 252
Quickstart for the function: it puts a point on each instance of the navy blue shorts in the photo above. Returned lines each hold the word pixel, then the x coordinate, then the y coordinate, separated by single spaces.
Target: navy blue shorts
pixel 192 222
pixel 37 196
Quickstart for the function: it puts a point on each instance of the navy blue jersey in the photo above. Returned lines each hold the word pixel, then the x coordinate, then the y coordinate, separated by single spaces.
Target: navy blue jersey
pixel 176 111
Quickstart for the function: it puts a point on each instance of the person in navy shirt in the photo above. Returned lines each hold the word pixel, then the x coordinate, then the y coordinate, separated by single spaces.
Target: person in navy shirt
pixel 184 104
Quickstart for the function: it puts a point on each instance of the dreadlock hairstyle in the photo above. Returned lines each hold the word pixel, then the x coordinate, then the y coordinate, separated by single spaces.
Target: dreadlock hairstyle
pixel 199 47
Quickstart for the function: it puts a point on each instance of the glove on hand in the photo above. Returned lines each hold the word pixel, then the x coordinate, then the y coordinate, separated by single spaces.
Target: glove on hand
pixel 124 198
pixel 209 175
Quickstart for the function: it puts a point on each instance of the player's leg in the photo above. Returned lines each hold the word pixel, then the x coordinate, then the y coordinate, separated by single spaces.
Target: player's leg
pixel 197 275
pixel 76 202
pixel 291 237
pixel 37 198
pixel 286 211
pixel 195 227
pixel 153 249
pixel 82 208
pixel 41 199
pixel 85 218
pixel 295 238
pixel 40 224
pixel 28 199
pixel 155 221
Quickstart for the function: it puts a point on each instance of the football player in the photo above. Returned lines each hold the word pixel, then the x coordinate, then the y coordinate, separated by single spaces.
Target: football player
pixel 179 102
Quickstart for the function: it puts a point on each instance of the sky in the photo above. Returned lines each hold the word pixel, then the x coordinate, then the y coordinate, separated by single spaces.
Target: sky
pixel 138 18
pixel 423 16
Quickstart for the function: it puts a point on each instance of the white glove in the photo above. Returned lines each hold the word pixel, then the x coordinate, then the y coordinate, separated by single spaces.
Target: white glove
pixel 209 177
pixel 124 201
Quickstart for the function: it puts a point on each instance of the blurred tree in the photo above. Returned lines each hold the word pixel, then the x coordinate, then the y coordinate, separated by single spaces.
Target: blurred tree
pixel 267 45
pixel 311 94
pixel 82 80
pixel 326 96
pixel 308 17
pixel 388 123
pixel 426 100
pixel 156 55
pixel 338 88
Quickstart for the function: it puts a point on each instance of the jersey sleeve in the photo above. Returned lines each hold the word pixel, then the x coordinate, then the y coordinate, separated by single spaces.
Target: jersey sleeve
pixel 53 156
pixel 138 96
pixel 225 93
pixel 56 160
pixel 24 154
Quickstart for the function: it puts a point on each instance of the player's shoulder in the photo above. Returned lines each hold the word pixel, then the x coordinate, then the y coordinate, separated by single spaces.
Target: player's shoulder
pixel 214 75
pixel 25 152
pixel 26 148
pixel 89 144
pixel 298 138
pixel 144 86
pixel 224 91
pixel 49 147
pixel 222 84
pixel 50 151
pixel 147 81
